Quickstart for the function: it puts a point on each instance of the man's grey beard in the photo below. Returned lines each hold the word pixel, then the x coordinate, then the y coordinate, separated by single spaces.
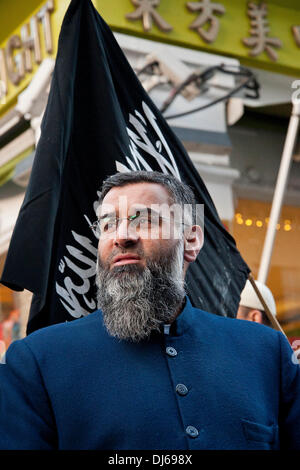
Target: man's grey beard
pixel 137 300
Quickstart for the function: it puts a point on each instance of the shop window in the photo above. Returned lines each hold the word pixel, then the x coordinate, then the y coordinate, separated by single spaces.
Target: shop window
pixel 249 230
pixel 9 319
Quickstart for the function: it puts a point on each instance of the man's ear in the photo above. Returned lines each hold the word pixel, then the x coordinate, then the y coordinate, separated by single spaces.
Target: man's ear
pixel 255 315
pixel 193 242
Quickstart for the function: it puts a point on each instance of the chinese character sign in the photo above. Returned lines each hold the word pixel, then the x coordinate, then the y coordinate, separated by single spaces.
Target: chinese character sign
pixel 145 10
pixel 207 17
pixel 296 34
pixel 259 40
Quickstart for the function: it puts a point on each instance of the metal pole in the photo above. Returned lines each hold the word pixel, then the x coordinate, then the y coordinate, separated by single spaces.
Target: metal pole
pixel 281 183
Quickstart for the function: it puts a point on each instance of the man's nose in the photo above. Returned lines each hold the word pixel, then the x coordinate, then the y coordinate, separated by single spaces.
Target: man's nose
pixel 125 235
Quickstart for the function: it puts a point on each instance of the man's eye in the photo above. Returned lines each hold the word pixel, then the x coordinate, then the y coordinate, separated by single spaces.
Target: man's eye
pixel 106 226
pixel 138 221
pixel 147 221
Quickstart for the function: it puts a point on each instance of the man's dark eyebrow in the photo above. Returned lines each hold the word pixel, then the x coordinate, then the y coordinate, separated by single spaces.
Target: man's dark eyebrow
pixel 146 210
pixel 105 216
pixel 141 211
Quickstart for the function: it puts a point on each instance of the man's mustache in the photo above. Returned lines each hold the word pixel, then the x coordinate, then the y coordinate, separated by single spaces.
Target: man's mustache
pixel 122 251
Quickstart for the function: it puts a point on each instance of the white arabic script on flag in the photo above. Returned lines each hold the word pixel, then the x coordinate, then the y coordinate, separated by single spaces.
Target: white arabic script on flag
pixel 76 298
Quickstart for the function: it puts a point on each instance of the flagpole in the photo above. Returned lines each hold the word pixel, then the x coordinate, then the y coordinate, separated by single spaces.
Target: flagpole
pixel 279 192
pixel 273 320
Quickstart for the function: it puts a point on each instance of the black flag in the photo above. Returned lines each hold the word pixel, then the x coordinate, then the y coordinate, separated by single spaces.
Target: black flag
pixel 100 120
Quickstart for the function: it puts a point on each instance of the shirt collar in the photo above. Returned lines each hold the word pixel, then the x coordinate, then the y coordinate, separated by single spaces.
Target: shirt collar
pixel 184 320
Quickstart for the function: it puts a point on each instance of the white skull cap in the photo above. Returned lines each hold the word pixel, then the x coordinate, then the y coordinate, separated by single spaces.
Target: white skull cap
pixel 250 299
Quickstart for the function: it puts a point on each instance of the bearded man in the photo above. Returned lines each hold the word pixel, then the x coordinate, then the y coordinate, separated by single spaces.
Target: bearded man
pixel 147 370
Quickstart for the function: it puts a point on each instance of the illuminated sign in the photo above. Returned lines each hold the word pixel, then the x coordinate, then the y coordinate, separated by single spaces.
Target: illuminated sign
pixel 22 51
pixel 259 34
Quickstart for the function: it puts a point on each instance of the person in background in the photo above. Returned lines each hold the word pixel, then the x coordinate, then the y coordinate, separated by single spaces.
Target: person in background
pixel 251 308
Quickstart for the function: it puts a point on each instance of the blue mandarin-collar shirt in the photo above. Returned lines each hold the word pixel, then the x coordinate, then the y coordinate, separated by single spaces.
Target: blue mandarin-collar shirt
pixel 211 383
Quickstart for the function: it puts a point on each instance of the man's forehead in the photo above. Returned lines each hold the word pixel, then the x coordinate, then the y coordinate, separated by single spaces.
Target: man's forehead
pixel 143 193
pixel 133 209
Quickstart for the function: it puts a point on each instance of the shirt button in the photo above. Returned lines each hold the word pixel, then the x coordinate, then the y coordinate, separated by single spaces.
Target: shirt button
pixel 181 389
pixel 192 431
pixel 171 351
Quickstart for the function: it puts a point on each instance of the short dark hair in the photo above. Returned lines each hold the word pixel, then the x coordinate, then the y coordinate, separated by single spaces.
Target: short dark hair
pixel 180 192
